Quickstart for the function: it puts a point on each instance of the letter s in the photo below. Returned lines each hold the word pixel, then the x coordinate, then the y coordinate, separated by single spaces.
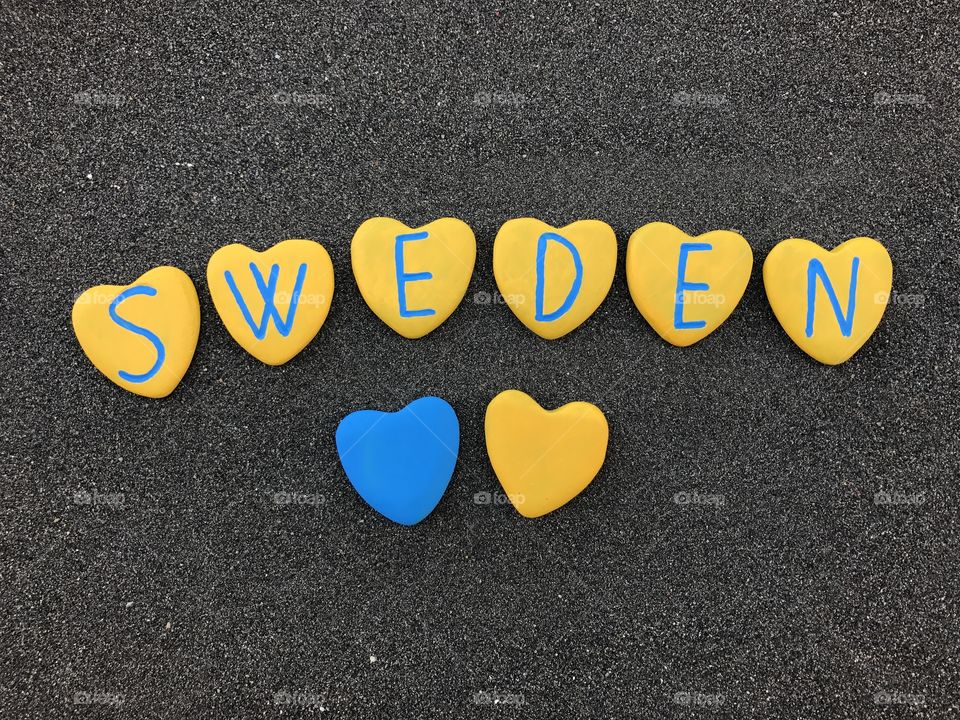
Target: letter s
pixel 136 329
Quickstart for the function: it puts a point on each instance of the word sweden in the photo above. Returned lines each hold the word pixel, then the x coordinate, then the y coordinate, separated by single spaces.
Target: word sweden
pixel 143 336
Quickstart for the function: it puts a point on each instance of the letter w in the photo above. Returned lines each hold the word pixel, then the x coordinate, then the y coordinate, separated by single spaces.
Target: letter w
pixel 268 291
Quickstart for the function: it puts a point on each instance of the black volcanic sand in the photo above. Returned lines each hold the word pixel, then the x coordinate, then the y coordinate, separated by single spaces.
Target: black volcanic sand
pixel 155 136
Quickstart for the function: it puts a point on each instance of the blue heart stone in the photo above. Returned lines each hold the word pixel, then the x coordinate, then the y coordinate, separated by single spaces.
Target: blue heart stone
pixel 401 462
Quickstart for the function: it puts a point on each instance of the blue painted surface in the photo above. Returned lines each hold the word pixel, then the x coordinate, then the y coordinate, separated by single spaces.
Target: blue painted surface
pixel 143 332
pixel 401 463
pixel 568 301
pixel 404 277
pixel 682 285
pixel 816 270
pixel 268 291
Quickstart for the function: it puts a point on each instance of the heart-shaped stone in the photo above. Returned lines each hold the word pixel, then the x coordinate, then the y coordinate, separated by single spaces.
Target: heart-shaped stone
pixel 829 302
pixel 544 458
pixel 413 278
pixel 401 463
pixel 554 279
pixel 684 286
pixel 273 303
pixel 142 336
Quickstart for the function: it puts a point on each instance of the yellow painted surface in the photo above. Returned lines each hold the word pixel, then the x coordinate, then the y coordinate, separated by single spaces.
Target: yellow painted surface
pixel 785 278
pixel 301 313
pixel 448 254
pixel 164 309
pixel 653 263
pixel 544 458
pixel 515 253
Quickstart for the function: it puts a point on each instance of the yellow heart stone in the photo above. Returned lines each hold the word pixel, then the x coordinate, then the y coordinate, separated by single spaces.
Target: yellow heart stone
pixel 544 458
pixel 273 303
pixel 684 286
pixel 413 278
pixel 142 336
pixel 554 279
pixel 828 302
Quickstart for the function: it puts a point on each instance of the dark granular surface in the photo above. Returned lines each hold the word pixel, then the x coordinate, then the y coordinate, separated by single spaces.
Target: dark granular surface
pixel 146 559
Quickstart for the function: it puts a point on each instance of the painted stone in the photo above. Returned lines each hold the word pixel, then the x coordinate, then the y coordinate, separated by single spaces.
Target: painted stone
pixel 684 286
pixel 554 279
pixel 273 303
pixel 142 336
pixel 829 302
pixel 544 458
pixel 413 278
pixel 400 463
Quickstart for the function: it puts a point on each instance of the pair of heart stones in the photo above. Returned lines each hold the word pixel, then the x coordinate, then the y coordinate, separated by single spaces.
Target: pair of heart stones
pixel 401 463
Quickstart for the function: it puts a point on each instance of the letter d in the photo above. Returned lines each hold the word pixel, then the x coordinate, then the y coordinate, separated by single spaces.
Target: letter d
pixel 540 315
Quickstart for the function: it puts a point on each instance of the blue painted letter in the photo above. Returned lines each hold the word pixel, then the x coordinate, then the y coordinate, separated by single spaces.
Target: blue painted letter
pixel 678 322
pixel 404 277
pixel 143 332
pixel 541 280
pixel 268 291
pixel 814 270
